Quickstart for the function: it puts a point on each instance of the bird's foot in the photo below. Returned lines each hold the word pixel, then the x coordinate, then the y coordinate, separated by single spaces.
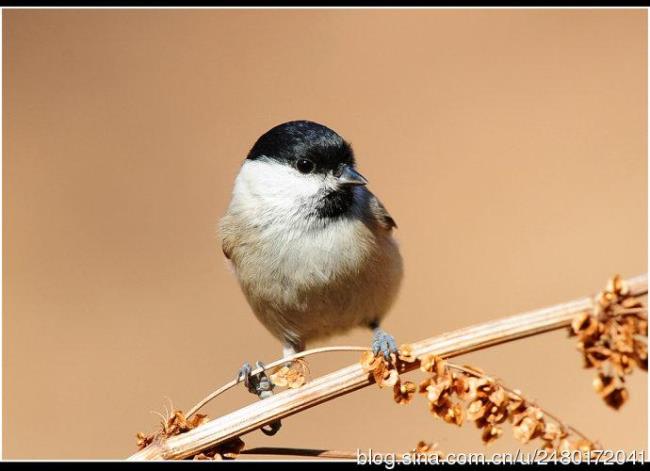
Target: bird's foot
pixel 260 385
pixel 384 343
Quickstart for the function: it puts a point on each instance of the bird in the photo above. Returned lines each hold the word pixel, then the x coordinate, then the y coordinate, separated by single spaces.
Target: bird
pixel 312 247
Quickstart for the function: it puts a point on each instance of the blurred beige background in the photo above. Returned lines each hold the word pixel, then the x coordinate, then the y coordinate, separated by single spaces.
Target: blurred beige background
pixel 509 145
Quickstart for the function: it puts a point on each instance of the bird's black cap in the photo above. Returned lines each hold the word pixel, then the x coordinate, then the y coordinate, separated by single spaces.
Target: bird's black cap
pixel 296 140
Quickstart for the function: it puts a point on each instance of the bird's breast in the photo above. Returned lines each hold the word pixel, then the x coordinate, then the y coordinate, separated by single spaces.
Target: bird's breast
pixel 307 256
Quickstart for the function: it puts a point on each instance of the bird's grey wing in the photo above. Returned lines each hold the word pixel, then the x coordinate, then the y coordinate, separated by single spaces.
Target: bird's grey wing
pixel 381 214
pixel 230 234
pixel 225 249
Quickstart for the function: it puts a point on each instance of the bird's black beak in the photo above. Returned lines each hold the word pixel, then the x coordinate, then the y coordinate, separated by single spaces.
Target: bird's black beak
pixel 348 176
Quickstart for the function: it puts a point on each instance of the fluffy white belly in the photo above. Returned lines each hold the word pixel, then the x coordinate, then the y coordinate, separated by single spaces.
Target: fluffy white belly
pixel 309 283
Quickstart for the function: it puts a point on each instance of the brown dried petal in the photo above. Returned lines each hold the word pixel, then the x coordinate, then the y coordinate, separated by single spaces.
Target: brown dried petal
pixel 279 378
pixel 296 381
pixel 617 285
pixel 584 445
pixel 604 384
pixel 388 377
pixel 548 446
pixel 642 327
pixel 553 432
pixel 616 398
pixel 369 361
pixel 622 363
pixel 428 449
pixel 197 420
pixel 378 372
pixel 631 303
pixel 405 353
pixel 403 392
pixel 498 396
pixel 454 415
pixel 293 376
pixel 516 404
pixel 491 433
pixel 459 385
pixel 584 324
pixel 441 366
pixel 623 343
pixel 423 447
pixel 597 355
pixel 142 440
pixel 476 410
pixel 496 414
pixel 565 445
pixel 476 388
pixel 427 363
pixel 436 390
pixel 424 384
pixel 525 430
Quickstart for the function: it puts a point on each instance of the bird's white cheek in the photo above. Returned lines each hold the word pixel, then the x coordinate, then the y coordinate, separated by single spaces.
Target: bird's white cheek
pixel 268 180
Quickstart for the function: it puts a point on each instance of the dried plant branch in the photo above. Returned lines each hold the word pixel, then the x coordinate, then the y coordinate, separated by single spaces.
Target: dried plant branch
pixel 349 379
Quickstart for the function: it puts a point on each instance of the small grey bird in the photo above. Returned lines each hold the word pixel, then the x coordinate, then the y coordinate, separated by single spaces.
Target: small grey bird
pixel 311 246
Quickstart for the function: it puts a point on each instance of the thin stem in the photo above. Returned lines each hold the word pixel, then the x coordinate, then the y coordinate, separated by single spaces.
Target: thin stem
pixel 287 359
pixel 637 310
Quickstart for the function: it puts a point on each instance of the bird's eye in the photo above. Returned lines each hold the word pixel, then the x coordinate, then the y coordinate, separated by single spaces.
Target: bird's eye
pixel 305 166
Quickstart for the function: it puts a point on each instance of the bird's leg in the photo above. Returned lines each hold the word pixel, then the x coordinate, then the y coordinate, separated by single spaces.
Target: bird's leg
pixel 261 385
pixel 382 341
pixel 291 348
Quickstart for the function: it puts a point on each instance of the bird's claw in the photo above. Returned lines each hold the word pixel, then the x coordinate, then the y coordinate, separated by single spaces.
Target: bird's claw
pixel 262 386
pixel 272 428
pixel 384 343
pixel 259 384
pixel 244 374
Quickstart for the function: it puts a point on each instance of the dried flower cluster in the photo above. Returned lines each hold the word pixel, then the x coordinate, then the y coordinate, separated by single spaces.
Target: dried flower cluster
pixel 177 423
pixel 458 393
pixel 385 373
pixel 292 376
pixel 613 339
pixel 169 426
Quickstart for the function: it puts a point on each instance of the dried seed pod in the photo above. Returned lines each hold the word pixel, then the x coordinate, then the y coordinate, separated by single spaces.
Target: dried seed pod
pixel 383 372
pixel 143 440
pixel 491 433
pixel 609 340
pixel 403 392
pixel 405 353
